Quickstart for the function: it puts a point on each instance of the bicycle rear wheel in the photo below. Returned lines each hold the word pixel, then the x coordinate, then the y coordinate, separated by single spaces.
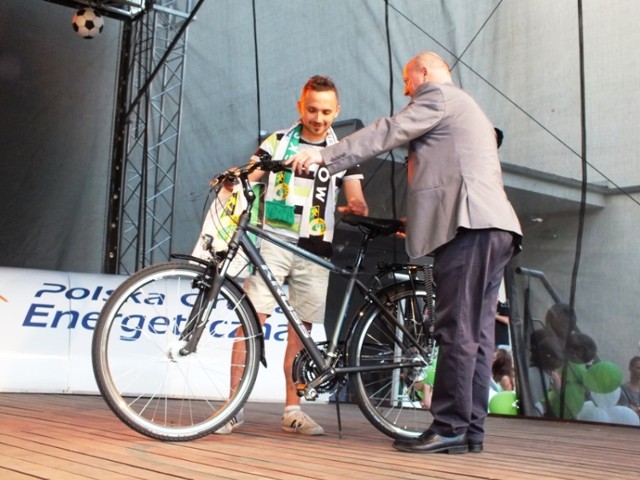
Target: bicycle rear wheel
pixel 139 368
pixel 386 395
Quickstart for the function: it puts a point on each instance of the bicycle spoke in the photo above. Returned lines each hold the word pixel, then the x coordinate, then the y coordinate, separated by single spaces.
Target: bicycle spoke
pixel 139 367
pixel 387 396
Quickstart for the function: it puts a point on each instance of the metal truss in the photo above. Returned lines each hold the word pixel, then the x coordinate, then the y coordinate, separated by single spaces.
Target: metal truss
pixel 121 9
pixel 147 133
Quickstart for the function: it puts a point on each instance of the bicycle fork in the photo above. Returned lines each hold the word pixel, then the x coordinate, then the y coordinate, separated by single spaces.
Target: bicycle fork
pixel 208 285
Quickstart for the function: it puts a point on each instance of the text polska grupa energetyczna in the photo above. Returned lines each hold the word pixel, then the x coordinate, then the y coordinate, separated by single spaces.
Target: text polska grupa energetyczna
pixel 141 318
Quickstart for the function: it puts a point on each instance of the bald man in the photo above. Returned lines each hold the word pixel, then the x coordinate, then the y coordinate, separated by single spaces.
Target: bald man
pixel 458 212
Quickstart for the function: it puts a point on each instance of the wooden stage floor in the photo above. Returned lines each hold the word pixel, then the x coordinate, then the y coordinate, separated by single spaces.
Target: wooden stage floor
pixel 77 437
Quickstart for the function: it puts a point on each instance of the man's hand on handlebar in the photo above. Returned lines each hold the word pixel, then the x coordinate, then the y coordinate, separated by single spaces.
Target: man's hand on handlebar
pixel 252 171
pixel 229 181
pixel 258 165
pixel 302 161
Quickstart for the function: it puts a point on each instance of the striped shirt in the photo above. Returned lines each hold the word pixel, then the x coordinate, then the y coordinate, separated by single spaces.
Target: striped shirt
pixel 299 197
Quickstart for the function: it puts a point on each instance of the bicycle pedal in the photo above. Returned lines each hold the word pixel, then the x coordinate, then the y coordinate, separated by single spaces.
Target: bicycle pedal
pixel 300 389
pixel 303 391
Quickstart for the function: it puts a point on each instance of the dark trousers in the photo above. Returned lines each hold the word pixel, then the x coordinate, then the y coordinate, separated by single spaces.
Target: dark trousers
pixel 467 273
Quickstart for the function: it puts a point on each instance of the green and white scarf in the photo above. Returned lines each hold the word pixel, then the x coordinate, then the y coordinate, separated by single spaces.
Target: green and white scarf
pixel 280 197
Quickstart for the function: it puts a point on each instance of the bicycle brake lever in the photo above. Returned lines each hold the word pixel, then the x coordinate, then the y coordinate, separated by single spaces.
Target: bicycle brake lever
pixel 228 176
pixel 217 180
pixel 270 165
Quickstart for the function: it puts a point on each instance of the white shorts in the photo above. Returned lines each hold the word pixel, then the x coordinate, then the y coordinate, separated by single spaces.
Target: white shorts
pixel 307 282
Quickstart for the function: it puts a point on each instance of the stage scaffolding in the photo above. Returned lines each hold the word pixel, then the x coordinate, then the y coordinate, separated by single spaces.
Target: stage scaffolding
pixel 146 135
pixel 147 127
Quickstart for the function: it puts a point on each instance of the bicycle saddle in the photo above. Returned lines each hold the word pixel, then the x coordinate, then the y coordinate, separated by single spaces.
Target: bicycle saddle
pixel 375 226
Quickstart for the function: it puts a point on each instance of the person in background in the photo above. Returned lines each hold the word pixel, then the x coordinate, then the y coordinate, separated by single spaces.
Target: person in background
pixel 502 370
pixel 501 330
pixel 424 385
pixel 457 211
pixel 545 362
pixel 299 208
pixel 630 391
pixel 561 319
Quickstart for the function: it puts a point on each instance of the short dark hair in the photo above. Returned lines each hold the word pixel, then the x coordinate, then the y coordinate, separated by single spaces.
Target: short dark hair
pixel 503 363
pixel 320 83
pixel 546 349
pixel 561 318
pixel 581 348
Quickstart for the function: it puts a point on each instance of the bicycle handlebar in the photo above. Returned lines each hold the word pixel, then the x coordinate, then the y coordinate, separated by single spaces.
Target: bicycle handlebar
pixel 237 173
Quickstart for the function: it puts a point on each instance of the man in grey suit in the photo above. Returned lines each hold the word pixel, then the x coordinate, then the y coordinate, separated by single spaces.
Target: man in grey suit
pixel 458 212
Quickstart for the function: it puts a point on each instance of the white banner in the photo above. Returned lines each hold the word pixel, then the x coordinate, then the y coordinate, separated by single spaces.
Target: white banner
pixel 48 320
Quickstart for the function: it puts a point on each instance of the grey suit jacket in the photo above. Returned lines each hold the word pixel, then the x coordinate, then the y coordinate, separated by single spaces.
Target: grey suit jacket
pixel 455 179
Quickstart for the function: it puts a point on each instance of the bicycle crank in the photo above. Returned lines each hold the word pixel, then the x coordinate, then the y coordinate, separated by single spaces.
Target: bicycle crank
pixel 305 371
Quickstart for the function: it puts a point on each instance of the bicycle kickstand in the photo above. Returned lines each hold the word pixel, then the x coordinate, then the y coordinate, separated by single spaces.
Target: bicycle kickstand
pixel 338 391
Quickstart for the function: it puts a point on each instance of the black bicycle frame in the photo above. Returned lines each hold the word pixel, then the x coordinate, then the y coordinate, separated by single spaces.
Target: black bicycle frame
pixel 240 239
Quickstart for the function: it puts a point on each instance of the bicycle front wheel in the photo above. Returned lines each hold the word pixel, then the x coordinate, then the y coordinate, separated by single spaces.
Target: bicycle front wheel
pixel 141 370
pixel 387 394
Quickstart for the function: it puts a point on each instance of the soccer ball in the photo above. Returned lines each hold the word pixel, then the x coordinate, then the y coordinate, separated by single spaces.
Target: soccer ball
pixel 87 23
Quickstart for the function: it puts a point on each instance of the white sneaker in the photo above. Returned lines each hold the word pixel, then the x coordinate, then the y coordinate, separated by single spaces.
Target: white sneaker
pixel 231 425
pixel 297 421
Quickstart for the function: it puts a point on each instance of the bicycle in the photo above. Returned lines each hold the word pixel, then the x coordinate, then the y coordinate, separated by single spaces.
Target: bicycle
pixel 161 348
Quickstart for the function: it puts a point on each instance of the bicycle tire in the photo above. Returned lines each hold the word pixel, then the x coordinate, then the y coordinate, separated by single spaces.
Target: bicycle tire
pixel 385 396
pixel 141 374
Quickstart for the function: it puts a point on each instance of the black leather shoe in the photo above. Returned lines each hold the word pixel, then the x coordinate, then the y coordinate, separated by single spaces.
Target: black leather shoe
pixel 430 442
pixel 475 447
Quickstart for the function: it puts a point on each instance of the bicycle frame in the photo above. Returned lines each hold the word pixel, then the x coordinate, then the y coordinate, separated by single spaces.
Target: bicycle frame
pixel 189 387
pixel 327 366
